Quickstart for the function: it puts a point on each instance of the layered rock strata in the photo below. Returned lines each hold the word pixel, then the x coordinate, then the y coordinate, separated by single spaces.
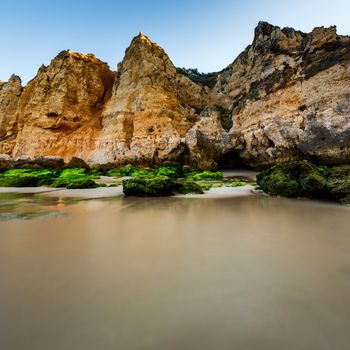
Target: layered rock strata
pixel 287 96
pixel 59 111
pixel 151 109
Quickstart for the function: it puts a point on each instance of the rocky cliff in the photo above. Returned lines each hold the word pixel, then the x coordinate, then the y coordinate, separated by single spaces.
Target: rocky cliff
pixel 10 93
pixel 287 96
pixel 59 111
pixel 150 111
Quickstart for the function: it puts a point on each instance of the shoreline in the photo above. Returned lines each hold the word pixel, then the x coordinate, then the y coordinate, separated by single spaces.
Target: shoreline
pixel 117 191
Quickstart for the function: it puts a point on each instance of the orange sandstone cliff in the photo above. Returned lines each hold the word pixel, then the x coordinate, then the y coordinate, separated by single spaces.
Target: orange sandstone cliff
pixel 287 96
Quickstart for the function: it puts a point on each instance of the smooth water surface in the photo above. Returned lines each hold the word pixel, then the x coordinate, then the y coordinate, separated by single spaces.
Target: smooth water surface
pixel 175 274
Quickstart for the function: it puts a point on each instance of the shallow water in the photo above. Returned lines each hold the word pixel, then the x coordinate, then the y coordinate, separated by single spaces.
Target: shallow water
pixel 175 273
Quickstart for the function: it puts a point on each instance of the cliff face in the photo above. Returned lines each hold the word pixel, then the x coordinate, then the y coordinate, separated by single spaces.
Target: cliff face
pixel 150 111
pixel 285 97
pixel 10 93
pixel 59 111
pixel 288 96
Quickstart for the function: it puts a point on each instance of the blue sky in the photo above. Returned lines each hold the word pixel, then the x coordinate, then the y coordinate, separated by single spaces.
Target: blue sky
pixel 203 34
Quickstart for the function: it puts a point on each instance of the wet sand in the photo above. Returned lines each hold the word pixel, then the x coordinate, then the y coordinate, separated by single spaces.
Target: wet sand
pixel 107 192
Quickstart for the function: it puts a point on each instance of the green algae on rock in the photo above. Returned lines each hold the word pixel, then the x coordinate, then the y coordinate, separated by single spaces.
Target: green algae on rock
pixel 27 177
pixel 158 185
pixel 74 178
pixel 187 187
pixel 69 178
pixel 305 179
pixel 208 175
pixel 148 186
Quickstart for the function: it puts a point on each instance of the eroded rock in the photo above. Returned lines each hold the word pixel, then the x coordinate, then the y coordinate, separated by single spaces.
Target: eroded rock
pixel 286 97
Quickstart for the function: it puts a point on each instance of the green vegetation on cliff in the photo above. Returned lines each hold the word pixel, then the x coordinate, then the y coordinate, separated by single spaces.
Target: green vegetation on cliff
pixel 206 79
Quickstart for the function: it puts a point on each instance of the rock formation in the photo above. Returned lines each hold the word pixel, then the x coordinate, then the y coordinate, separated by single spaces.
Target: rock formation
pixel 288 96
pixel 285 97
pixel 10 93
pixel 59 111
pixel 150 111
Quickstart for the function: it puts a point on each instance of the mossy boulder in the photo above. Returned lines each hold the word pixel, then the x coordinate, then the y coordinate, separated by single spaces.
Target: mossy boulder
pixel 304 179
pixel 186 187
pixel 20 180
pixel 27 177
pixel 127 170
pixel 69 178
pixel 74 178
pixel 158 185
pixel 294 179
pixel 173 172
pixel 148 186
pixel 143 172
pixel 74 183
pixel 339 183
pixel 169 171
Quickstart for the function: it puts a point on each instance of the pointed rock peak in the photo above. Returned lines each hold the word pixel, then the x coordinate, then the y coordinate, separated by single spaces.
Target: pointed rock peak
pixel 263 29
pixel 141 48
pixel 13 85
pixel 143 40
pixel 41 68
pixel 63 54
pixel 15 79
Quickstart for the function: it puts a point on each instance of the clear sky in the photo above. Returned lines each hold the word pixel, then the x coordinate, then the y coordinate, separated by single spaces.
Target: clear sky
pixel 204 34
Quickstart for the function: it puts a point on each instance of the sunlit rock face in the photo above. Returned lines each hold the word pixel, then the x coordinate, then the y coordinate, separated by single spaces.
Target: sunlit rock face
pixel 10 93
pixel 151 109
pixel 287 96
pixel 59 111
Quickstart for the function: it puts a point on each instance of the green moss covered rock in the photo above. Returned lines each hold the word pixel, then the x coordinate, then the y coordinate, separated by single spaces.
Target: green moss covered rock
pixel 27 177
pixel 69 178
pixel 148 186
pixel 339 183
pixel 187 187
pixel 22 180
pixel 127 170
pixel 74 178
pixel 143 172
pixel 74 183
pixel 169 171
pixel 304 179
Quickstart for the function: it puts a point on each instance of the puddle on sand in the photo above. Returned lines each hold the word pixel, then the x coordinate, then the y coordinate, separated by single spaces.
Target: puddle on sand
pixel 27 206
pixel 18 206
